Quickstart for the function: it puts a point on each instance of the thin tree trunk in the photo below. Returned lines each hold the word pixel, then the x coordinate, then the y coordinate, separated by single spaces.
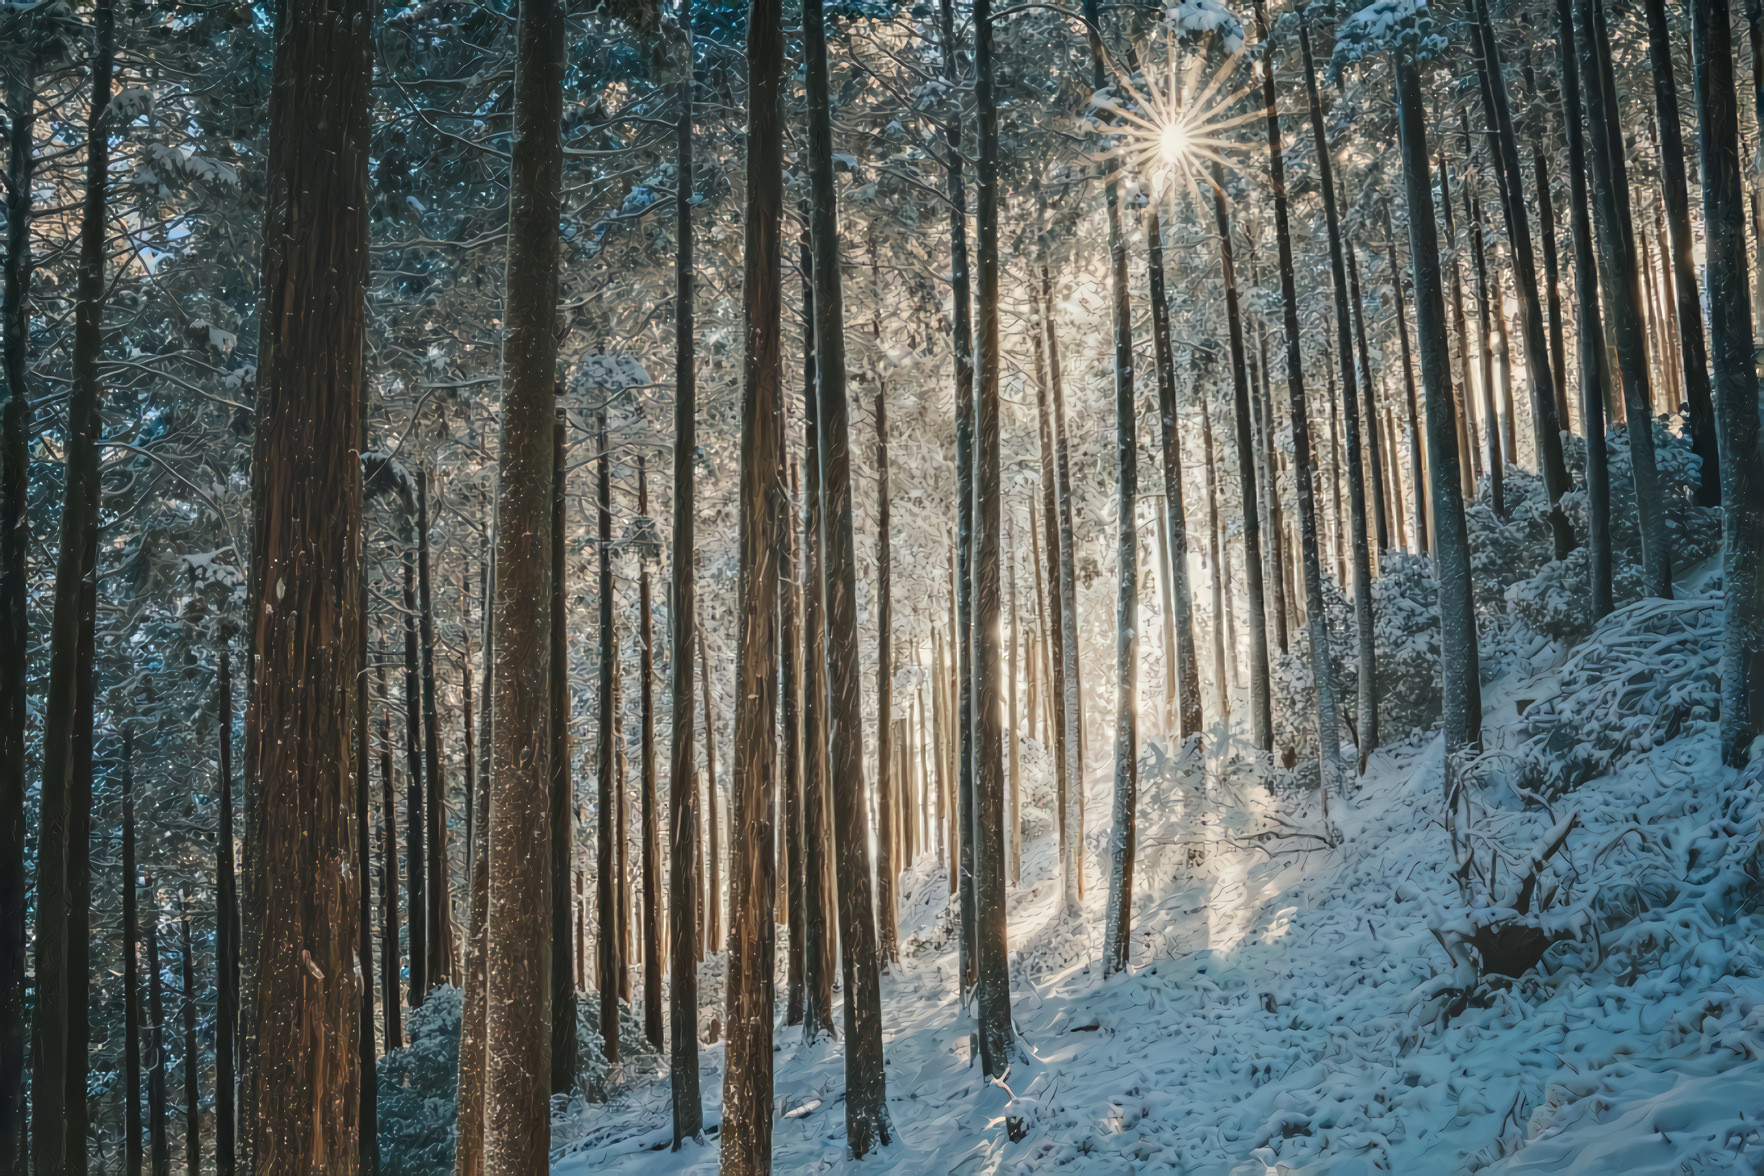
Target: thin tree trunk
pixel 608 951
pixel 1485 371
pixel 819 927
pixel 561 786
pixel 370 1094
pixel 1461 706
pixel 1366 727
pixel 517 953
pixel 1051 532
pixel 1462 392
pixel 651 831
pixel 390 960
pixel 992 962
pixel 1317 621
pixel 439 967
pixel 1688 310
pixel 1621 290
pixel 1414 438
pixel 1374 456
pixel 131 962
pixel 1215 553
pixel 790 676
pixel 685 891
pixel 713 836
pixel 226 954
pixel 1014 816
pixel 58 1052
pixel 866 1109
pixel 1591 339
pixel 1548 428
pixel 192 1091
pixel 158 1133
pixel 1072 792
pixel 887 866
pixel 1730 322
pixel 1261 720
pixel 416 871
pixel 301 1094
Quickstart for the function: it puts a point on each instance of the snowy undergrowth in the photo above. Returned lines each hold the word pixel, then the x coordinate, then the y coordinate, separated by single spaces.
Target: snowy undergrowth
pixel 1292 1007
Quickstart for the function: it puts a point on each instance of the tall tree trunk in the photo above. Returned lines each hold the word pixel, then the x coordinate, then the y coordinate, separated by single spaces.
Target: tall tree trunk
pixel 517 958
pixel 1414 434
pixel 416 804
pixel 192 1092
pixel 15 543
pixel 1317 620
pixel 1591 339
pixel 866 1108
pixel 226 937
pixel 390 959
pixel 1050 524
pixel 1215 552
pixel 1548 427
pixel 1469 453
pixel 58 1052
pixel 1730 322
pixel 651 832
pixel 561 799
pixel 369 1138
pixel 992 963
pixel 791 667
pixel 1020 652
pixel 131 963
pixel 887 865
pixel 1187 669
pixel 713 837
pixel 1620 284
pixel 158 1132
pixel 818 924
pixel 1369 423
pixel 1461 705
pixel 1261 720
pixel 305 596
pixel 608 951
pixel 684 889
pixel 961 638
pixel 1485 370
pixel 1071 794
pixel 1366 728
pixel 439 966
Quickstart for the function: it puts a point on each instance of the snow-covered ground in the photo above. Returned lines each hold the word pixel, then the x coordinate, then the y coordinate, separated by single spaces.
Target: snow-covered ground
pixel 1291 1007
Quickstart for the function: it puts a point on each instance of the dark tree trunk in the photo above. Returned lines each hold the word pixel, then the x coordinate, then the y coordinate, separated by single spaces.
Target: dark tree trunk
pixel 887 864
pixel 518 947
pixel 469 1143
pixel 416 872
pixel 1620 284
pixel 653 1012
pixel 1469 454
pixel 302 1086
pixel 1485 371
pixel 1261 720
pixel 58 1030
pixel 1689 311
pixel 158 1129
pixel 439 966
pixel 561 800
pixel 1593 374
pixel 390 959
pixel 1416 481
pixel 1730 322
pixel 364 955
pixel 1071 790
pixel 713 837
pixel 746 1136
pixel 790 677
pixel 961 640
pixel 866 1110
pixel 684 888
pixel 1548 427
pixel 1369 421
pixel 818 924
pixel 15 543
pixel 1317 620
pixel 1366 727
pixel 608 953
pixel 1461 707
pixel 1050 522
pixel 131 963
pixel 192 1091
pixel 992 963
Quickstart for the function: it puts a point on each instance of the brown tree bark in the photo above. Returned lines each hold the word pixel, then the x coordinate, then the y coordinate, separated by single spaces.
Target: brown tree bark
pixel 562 799
pixel 608 951
pixel 416 803
pixel 302 1069
pixel 651 831
pixel 439 966
pixel 517 974
pixel 226 936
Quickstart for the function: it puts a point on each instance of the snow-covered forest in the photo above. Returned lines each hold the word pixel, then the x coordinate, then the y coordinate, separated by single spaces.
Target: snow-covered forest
pixel 983 586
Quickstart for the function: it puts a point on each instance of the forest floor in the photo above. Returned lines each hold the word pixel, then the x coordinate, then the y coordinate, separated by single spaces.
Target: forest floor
pixel 1291 1007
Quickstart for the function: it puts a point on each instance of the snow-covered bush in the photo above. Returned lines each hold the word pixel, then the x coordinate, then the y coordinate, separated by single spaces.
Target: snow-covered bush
pixel 419 1089
pixel 1645 675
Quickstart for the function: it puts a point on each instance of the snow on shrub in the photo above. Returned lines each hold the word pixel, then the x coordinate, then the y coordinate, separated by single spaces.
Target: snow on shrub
pixel 419 1089
pixel 1647 674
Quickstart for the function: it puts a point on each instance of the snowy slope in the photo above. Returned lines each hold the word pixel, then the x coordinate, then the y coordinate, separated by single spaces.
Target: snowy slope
pixel 1291 1006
